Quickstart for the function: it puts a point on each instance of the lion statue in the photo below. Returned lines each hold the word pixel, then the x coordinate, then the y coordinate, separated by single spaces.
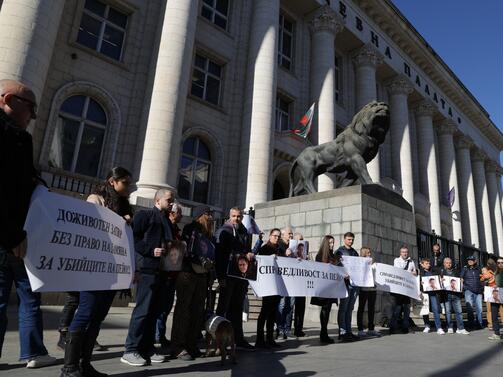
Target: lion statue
pixel 347 156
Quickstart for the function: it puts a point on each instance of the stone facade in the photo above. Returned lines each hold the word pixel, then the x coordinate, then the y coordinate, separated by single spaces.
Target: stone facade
pixel 340 56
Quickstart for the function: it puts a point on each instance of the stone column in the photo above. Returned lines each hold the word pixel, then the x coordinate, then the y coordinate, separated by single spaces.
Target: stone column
pixel 161 149
pixel 399 89
pixel 428 172
pixel 326 23
pixel 28 29
pixel 448 172
pixel 494 206
pixel 482 200
pixel 466 191
pixel 260 98
pixel 366 61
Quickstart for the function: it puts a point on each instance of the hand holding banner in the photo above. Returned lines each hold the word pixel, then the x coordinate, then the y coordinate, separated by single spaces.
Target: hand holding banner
pixel 74 245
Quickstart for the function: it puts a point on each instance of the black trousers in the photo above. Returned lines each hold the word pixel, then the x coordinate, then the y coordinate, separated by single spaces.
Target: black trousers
pixel 230 304
pixel 370 297
pixel 71 305
pixel 191 292
pixel 324 317
pixel 141 334
pixel 267 316
pixel 298 317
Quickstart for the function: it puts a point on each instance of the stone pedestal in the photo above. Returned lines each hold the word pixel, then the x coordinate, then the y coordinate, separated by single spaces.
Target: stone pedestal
pixel 380 219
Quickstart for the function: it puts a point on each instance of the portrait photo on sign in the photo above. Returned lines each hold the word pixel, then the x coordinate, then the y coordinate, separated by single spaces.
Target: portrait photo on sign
pixel 300 249
pixel 452 284
pixel 173 259
pixel 201 246
pixel 242 268
pixel 431 283
pixel 493 295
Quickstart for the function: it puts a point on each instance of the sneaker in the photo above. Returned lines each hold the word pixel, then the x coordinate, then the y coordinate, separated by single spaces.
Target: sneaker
pixel 450 331
pixel 134 359
pixel 462 332
pixel 185 356
pixel 440 332
pixel 426 329
pixel 362 333
pixel 41 361
pixel 156 358
pixel 494 337
pixel 374 333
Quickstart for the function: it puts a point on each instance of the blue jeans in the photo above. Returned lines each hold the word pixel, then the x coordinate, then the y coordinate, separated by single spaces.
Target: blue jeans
pixel 435 308
pixel 285 312
pixel 168 299
pixel 473 301
pixel 92 310
pixel 30 315
pixel 346 306
pixel 453 303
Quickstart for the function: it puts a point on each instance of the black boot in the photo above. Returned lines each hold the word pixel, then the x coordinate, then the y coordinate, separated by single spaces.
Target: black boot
pixel 62 339
pixel 86 369
pixel 73 349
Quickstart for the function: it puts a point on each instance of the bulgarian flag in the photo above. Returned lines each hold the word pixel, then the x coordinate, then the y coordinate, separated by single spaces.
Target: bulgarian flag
pixel 305 123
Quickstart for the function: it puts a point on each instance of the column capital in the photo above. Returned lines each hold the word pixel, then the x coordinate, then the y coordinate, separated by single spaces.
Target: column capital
pixel 492 166
pixel 478 155
pixel 368 55
pixel 425 108
pixel 326 19
pixel 446 127
pixel 399 84
pixel 463 141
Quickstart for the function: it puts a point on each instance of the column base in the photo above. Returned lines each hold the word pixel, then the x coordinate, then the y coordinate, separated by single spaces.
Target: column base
pixel 144 195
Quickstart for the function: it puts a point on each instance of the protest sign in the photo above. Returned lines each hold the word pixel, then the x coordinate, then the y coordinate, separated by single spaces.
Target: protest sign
pixel 292 277
pixel 359 270
pixel 250 224
pixel 173 259
pixel 300 248
pixel 451 283
pixel 493 295
pixel 396 280
pixel 431 283
pixel 74 245
pixel 241 267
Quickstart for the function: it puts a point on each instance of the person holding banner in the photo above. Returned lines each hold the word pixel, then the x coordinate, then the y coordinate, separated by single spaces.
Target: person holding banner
pixel 267 315
pixel 18 179
pixel 300 302
pixel 94 305
pixel 495 307
pixel 347 304
pixel 152 235
pixel 367 295
pixel 233 240
pixel 325 255
pixel 193 283
pixel 433 300
pixel 452 301
pixel 402 303
pixel 285 307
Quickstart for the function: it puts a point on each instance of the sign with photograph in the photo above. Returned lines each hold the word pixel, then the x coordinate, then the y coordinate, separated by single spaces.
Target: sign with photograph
pixel 493 295
pixel 431 283
pixel 292 277
pixel 74 245
pixel 452 284
pixel 300 248
pixel 173 259
pixel 243 268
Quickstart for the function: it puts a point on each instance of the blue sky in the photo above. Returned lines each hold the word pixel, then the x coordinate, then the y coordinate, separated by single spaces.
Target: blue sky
pixel 468 36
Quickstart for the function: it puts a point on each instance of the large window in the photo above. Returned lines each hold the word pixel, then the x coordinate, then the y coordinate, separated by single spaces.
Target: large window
pixel 285 45
pixel 78 140
pixel 103 28
pixel 194 175
pixel 216 12
pixel 206 79
pixel 283 113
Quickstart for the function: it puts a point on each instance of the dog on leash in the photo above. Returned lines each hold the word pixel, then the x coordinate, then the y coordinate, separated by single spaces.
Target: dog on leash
pixel 220 337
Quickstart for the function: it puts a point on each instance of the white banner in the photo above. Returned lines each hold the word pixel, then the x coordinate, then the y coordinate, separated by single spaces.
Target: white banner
pixel 359 270
pixel 74 245
pixel 292 277
pixel 396 280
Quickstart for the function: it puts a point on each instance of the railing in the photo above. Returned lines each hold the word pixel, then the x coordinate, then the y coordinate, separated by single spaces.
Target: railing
pixel 457 251
pixel 76 184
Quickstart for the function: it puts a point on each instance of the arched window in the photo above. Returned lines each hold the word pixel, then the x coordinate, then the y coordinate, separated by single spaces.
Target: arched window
pixel 77 145
pixel 194 174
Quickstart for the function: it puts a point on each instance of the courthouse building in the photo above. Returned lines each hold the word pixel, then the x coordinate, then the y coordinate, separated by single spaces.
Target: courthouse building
pixel 202 95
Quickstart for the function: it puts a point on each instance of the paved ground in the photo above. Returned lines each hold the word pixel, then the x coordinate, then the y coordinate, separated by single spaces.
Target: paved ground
pixel 411 355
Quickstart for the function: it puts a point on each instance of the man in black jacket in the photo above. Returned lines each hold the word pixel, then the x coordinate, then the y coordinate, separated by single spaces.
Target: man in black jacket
pixel 152 233
pixel 232 241
pixel 470 275
pixel 18 179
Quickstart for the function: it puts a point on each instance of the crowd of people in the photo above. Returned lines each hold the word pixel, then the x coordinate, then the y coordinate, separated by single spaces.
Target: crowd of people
pixel 206 258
